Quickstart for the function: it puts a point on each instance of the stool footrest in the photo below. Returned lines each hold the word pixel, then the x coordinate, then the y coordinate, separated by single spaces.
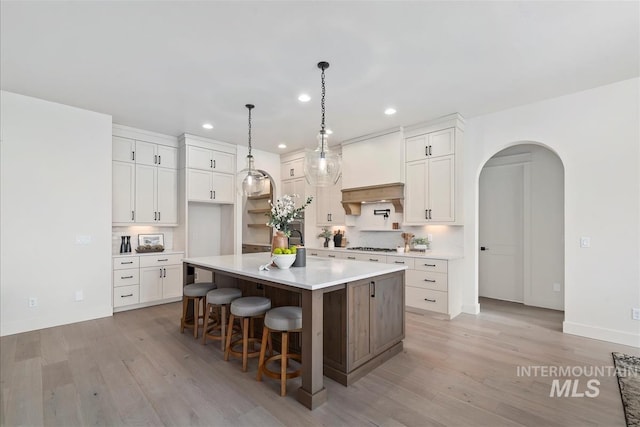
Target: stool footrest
pixel 276 375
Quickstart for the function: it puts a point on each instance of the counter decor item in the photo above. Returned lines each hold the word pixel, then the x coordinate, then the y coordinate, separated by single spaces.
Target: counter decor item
pixel 123 247
pixel 283 212
pixel 337 239
pixel 326 235
pixel 420 244
pixel 149 243
pixel 407 240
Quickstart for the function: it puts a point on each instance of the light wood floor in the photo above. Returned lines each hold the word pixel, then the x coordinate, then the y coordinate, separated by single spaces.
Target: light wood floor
pixel 137 369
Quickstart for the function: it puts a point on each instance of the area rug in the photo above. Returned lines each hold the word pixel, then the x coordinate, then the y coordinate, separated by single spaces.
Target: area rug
pixel 628 372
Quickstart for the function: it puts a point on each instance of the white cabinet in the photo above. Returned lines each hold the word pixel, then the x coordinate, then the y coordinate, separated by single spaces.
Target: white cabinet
pixel 427 285
pixel 142 280
pixel 433 174
pixel 329 208
pixel 295 187
pixel 151 154
pixel 210 160
pixel 123 181
pixel 156 195
pixel 292 169
pixel 123 149
pixel 209 187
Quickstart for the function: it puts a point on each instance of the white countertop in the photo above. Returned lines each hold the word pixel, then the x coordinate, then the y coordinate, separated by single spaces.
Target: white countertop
pixel 134 253
pixel 318 274
pixel 428 254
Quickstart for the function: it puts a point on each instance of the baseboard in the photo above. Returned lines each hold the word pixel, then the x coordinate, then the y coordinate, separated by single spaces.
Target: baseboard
pixel 602 334
pixel 45 321
pixel 471 308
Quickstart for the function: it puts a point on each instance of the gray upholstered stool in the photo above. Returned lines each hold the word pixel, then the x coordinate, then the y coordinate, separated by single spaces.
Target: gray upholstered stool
pixel 218 301
pixel 195 292
pixel 284 320
pixel 245 309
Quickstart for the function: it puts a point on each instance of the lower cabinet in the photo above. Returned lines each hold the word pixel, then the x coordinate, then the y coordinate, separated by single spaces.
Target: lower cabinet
pixel 140 280
pixel 372 313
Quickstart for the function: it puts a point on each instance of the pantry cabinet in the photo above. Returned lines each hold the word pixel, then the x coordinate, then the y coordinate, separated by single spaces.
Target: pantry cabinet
pixel 209 187
pixel 210 160
pixel 329 208
pixel 156 195
pixel 124 201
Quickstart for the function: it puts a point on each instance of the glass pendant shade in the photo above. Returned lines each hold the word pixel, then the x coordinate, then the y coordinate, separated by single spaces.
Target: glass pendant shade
pixel 322 165
pixel 252 182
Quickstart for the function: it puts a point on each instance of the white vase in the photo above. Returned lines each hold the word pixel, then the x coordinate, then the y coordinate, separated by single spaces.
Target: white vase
pixel 331 244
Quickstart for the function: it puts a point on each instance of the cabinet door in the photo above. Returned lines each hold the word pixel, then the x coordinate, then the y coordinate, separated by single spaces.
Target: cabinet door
pixel 359 347
pixel 415 200
pixel 199 185
pixel 441 189
pixel 323 201
pixel 336 211
pixel 441 143
pixel 123 149
pixel 172 281
pixel 151 284
pixel 146 153
pixel 387 321
pixel 167 157
pixel 167 198
pixel 222 186
pixel 146 177
pixel 123 181
pixel 292 169
pixel 199 158
pixel 223 162
pixel 417 148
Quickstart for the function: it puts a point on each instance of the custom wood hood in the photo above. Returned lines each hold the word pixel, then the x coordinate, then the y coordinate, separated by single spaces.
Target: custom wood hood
pixel 352 198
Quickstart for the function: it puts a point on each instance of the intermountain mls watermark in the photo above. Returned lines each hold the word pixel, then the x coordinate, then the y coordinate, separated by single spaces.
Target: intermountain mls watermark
pixel 582 381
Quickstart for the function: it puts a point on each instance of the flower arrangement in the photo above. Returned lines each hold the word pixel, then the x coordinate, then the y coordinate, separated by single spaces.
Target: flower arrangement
pixel 283 212
pixel 325 233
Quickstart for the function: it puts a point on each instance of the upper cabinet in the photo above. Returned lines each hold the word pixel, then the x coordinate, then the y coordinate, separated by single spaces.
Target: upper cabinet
pixel 329 210
pixel 145 178
pixel 433 172
pixel 373 160
pixel 209 159
pixel 292 169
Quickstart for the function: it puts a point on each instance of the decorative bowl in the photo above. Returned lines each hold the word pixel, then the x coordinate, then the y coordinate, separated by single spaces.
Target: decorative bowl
pixel 283 261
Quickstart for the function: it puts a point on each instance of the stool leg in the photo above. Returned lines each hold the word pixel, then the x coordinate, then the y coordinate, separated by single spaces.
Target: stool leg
pixel 223 325
pixel 229 335
pixel 185 302
pixel 196 316
pixel 245 343
pixel 263 350
pixel 283 364
pixel 205 323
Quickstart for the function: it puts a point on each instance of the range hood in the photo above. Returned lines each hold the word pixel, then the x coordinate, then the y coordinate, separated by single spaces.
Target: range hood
pixel 352 198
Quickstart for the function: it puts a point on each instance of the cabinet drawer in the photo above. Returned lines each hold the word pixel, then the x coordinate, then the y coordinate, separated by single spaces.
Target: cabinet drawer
pixel 435 265
pixel 126 277
pixel 159 260
pixel 371 257
pixel 126 295
pixel 427 280
pixel 426 299
pixel 126 262
pixel 400 260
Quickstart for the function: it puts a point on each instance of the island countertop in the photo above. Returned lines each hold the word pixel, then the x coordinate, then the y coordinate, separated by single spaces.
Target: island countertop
pixel 318 274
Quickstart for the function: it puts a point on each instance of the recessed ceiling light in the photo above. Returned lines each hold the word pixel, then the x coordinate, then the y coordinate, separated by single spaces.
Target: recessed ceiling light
pixel 304 98
pixel 282 145
pixel 390 111
pixel 207 126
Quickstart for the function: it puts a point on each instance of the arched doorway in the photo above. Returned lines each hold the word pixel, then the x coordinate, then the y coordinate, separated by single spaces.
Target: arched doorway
pixel 521 227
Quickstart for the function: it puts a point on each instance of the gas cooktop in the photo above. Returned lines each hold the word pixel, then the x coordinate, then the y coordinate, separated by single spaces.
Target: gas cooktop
pixel 370 249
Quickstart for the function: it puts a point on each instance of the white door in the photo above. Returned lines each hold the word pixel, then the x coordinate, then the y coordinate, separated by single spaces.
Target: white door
pixel 199 185
pixel 151 284
pixel 167 199
pixel 501 232
pixel 123 192
pixel 146 177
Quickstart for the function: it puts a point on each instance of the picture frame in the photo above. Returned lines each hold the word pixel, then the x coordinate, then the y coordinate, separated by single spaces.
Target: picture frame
pixel 151 239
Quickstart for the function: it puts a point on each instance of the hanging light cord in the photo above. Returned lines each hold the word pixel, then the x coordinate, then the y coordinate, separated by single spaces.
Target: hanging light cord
pixel 323 66
pixel 249 106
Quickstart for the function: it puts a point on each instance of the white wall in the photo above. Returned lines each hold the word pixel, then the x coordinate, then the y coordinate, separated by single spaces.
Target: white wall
pixel 596 135
pixel 56 186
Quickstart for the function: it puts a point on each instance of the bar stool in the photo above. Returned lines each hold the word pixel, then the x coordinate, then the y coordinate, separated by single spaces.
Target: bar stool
pixel 218 301
pixel 245 309
pixel 195 292
pixel 285 320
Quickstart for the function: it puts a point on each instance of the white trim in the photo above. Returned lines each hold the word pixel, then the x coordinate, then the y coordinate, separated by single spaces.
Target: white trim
pixel 211 144
pixel 454 120
pixel 603 334
pixel 514 159
pixel 372 135
pixel 471 308
pixel 49 321
pixel 143 135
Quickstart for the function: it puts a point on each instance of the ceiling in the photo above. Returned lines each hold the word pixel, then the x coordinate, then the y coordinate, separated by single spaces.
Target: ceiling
pixel 170 66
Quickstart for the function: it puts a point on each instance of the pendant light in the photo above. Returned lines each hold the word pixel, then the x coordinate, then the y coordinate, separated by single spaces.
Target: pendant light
pixel 322 166
pixel 253 181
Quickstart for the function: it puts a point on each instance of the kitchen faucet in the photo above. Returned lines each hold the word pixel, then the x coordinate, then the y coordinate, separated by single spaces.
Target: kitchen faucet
pixel 301 238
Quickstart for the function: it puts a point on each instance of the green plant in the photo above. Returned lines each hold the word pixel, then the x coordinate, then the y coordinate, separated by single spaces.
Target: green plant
pixel 325 233
pixel 420 241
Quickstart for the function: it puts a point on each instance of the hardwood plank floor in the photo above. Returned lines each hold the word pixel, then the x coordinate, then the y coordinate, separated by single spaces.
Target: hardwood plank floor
pixel 135 368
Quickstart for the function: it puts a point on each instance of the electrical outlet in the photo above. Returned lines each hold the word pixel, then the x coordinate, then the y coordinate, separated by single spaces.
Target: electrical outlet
pixel 430 237
pixel 33 302
pixel 556 287
pixel 79 295
pixel 585 242
pixel 635 313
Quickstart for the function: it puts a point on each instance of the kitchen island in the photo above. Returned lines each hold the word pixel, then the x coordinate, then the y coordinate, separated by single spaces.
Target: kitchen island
pixel 352 312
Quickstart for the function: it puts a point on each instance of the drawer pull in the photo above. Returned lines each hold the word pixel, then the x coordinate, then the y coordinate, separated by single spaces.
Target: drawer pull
pixel 124 296
pixel 429 300
pixel 429 265
pixel 126 262
pixel 166 259
pixel 351 257
pixel 399 262
pixel 430 280
pixel 126 277
pixel 331 256
pixel 373 259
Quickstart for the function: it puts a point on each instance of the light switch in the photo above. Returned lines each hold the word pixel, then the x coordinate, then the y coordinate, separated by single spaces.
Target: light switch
pixel 585 242
pixel 83 240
